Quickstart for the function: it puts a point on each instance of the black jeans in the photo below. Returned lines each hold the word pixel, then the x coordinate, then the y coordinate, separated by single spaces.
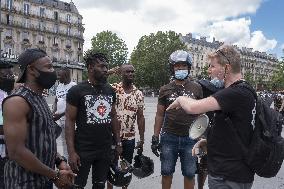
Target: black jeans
pixel 2 163
pixel 100 168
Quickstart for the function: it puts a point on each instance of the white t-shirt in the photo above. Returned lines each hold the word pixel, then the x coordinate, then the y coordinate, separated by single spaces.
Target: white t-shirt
pixel 3 95
pixel 61 92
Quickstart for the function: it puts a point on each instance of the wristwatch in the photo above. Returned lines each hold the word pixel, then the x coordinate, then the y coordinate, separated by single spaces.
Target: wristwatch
pixel 58 160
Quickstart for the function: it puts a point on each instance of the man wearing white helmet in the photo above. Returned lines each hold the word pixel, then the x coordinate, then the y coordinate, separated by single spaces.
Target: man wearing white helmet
pixel 173 126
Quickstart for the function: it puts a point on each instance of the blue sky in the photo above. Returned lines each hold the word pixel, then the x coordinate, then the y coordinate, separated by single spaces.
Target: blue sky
pixel 247 23
pixel 269 18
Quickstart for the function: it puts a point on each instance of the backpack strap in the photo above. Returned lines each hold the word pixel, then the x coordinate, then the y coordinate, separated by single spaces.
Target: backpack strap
pixel 246 85
pixel 228 120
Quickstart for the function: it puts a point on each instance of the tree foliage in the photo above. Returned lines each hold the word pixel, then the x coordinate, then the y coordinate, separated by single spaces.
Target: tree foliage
pixel 110 44
pixel 248 76
pixel 151 58
pixel 278 77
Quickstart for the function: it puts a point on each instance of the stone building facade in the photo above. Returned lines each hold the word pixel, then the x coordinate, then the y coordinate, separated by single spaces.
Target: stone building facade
pixel 52 25
pixel 259 64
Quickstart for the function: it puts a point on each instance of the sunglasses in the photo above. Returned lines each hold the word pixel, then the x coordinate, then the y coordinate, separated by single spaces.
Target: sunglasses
pixel 221 52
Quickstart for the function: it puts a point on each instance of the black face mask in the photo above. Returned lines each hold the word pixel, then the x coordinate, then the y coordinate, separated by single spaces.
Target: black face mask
pixel 46 79
pixel 7 84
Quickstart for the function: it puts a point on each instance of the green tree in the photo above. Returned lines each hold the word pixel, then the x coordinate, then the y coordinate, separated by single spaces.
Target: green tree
pixel 278 77
pixel 248 76
pixel 151 58
pixel 204 73
pixel 110 44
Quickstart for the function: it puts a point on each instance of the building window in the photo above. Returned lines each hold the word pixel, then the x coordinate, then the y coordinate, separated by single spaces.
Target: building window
pixel 41 11
pixel 10 51
pixel 69 31
pixel 41 39
pixel 9 19
pixel 56 28
pixel 68 18
pixel 9 4
pixel 79 21
pixel 9 32
pixel 25 35
pixel 41 26
pixel 26 23
pixel 26 9
pixel 55 41
pixel 55 15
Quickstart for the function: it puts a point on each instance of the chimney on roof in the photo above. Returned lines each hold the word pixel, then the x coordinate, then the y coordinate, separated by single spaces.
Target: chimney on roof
pixel 189 35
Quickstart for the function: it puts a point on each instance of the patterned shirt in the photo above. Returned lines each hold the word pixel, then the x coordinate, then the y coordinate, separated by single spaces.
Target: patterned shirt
pixel 127 106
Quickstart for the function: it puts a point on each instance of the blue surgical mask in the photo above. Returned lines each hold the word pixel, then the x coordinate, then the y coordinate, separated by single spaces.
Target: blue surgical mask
pixel 181 74
pixel 217 82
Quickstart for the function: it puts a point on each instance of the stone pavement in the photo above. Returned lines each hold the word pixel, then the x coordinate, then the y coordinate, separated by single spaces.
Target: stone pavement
pixel 154 181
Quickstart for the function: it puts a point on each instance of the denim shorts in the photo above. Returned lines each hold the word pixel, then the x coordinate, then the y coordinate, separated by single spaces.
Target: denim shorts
pixel 172 147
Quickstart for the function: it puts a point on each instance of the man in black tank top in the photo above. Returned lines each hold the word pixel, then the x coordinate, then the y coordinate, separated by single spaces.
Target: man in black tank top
pixel 7 81
pixel 30 131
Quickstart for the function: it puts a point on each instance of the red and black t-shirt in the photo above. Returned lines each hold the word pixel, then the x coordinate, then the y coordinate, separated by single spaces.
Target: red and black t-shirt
pixel 94 104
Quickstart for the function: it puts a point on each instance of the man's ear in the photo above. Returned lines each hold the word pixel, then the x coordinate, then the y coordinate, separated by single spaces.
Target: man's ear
pixel 32 70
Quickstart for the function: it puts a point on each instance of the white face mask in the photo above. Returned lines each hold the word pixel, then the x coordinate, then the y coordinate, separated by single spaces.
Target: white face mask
pixel 218 83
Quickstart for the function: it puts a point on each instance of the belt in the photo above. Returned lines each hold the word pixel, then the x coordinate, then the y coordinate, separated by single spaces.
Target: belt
pixel 127 135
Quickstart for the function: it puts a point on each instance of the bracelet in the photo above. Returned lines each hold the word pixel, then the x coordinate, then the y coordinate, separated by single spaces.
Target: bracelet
pixel 119 144
pixel 56 178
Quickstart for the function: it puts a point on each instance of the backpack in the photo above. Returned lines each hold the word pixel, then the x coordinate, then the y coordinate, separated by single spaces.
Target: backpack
pixel 265 153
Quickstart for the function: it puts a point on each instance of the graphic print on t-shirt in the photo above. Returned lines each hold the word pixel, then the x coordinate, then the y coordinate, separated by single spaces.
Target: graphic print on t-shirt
pixel 98 109
pixel 176 94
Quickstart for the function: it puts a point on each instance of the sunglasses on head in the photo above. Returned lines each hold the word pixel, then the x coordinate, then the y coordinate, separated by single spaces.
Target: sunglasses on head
pixel 221 52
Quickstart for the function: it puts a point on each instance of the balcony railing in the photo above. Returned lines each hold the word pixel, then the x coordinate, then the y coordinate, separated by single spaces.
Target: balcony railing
pixel 44 29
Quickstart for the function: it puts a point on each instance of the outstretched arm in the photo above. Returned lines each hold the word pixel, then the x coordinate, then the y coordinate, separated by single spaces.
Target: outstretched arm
pixel 192 106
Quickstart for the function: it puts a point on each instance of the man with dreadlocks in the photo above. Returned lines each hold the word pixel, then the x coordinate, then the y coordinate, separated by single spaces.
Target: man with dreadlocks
pixel 90 105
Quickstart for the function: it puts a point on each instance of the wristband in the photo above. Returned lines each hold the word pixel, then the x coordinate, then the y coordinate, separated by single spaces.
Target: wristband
pixel 56 178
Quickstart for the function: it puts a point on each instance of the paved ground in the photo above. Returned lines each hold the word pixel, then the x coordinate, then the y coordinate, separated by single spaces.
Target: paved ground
pixel 154 181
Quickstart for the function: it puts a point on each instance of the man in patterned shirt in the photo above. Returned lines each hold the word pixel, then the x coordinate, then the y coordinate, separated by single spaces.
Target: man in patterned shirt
pixel 129 107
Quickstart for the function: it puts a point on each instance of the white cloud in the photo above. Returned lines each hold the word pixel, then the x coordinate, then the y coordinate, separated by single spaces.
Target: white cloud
pixel 238 32
pixel 235 31
pixel 260 42
pixel 132 19
pixel 112 5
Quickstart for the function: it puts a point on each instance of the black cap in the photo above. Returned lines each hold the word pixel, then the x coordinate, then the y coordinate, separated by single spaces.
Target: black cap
pixel 26 58
pixel 5 64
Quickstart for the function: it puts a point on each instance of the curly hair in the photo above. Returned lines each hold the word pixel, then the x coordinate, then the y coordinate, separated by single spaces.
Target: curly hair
pixel 92 57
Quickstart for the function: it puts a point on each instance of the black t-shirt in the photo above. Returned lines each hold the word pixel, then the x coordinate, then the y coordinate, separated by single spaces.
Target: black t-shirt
pixel 94 104
pixel 225 157
pixel 178 121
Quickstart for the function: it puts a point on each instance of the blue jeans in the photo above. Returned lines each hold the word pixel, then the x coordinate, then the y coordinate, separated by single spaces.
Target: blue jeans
pixel 172 147
pixel 128 149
